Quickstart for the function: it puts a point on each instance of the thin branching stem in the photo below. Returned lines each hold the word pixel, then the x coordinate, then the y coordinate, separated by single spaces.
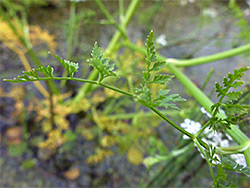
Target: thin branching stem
pixel 191 136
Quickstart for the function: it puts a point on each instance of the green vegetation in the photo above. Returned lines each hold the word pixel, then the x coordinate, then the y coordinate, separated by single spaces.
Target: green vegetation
pixel 122 101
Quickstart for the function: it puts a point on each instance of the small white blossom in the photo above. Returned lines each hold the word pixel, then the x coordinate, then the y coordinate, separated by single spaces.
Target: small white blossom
pixel 162 40
pixel 203 110
pixel 184 2
pixel 77 1
pixel 190 126
pixel 209 12
pixel 224 143
pixel 240 159
pixel 213 138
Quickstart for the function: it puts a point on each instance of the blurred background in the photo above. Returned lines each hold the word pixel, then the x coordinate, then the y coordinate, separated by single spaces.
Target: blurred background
pixel 54 136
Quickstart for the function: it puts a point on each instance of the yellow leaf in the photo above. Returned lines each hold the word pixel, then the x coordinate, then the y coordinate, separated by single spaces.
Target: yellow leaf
pixel 72 174
pixel 108 141
pixel 134 156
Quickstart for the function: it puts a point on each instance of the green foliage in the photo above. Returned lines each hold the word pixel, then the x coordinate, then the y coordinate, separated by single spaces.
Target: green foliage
pixel 101 64
pixel 143 93
pixel 70 67
pixel 151 53
pixel 32 75
pixel 29 164
pixel 233 110
pixel 230 164
pixel 241 22
pixel 17 150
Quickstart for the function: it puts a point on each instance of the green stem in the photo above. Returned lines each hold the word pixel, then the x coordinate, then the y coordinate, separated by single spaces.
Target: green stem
pixel 111 47
pixel 195 61
pixel 210 73
pixel 121 10
pixel 202 129
pixel 110 18
pixel 191 136
pixel 90 82
pixel 69 39
pixel 204 154
pixel 131 115
pixel 172 123
pixel 211 58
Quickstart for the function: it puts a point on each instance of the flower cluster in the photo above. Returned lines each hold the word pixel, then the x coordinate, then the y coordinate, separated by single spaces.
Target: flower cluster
pixel 212 138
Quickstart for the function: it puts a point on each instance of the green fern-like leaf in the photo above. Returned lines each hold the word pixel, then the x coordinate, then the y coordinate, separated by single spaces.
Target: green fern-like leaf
pixel 32 75
pixel 69 66
pixel 101 64
pixel 151 53
pixel 161 79
pixel 234 111
pixel 230 164
pixel 47 71
pixel 157 66
pixel 144 95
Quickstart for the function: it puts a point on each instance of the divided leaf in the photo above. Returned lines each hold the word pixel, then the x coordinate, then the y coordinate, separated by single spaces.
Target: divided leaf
pixel 144 94
pixel 32 75
pixel 233 110
pixel 230 164
pixel 47 71
pixel 102 64
pixel 157 66
pixel 70 67
pixel 151 54
pixel 161 79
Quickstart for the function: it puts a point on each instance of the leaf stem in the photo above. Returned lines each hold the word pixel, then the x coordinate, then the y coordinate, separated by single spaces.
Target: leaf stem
pixel 172 123
pixel 194 61
pixel 110 18
pixel 204 154
pixel 202 129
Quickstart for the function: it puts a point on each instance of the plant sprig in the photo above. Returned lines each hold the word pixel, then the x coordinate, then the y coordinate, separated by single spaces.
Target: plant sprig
pixel 69 66
pixel 33 75
pixel 143 93
pixel 233 110
pixel 101 64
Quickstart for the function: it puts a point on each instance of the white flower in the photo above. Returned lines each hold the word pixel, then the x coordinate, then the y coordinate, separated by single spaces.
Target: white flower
pixel 184 2
pixel 240 159
pixel 224 143
pixel 162 40
pixel 203 110
pixel 190 126
pixel 209 12
pixel 77 1
pixel 213 138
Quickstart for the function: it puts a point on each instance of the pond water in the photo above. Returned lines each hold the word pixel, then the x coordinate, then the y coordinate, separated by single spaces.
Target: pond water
pixel 191 29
